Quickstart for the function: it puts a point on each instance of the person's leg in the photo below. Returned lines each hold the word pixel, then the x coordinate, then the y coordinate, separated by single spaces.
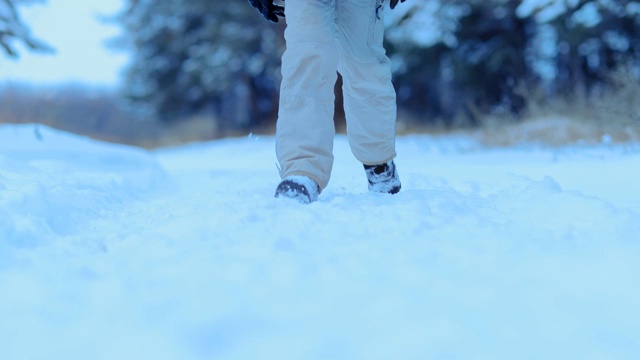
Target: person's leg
pixel 305 128
pixel 369 96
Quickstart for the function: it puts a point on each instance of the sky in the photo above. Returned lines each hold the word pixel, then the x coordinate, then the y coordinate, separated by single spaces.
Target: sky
pixel 75 31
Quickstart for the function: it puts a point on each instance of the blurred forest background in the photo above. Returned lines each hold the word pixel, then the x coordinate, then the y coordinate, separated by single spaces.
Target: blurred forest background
pixel 202 69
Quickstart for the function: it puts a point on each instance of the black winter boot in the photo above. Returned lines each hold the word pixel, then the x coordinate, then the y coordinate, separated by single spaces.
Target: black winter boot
pixel 383 178
pixel 300 188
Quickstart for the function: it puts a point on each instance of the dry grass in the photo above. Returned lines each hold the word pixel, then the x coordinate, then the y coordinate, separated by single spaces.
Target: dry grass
pixel 555 132
pixel 98 114
pixel 607 114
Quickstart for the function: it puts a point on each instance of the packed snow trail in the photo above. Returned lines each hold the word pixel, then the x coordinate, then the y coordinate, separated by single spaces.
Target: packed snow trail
pixel 110 252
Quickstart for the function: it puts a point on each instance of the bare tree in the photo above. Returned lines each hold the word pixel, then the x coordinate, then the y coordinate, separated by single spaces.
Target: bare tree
pixel 13 31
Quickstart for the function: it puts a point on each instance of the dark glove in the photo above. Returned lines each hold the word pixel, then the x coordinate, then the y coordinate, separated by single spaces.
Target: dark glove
pixel 394 3
pixel 269 10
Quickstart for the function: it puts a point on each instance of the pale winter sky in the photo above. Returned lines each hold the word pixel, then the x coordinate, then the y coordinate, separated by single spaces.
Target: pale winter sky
pixel 75 30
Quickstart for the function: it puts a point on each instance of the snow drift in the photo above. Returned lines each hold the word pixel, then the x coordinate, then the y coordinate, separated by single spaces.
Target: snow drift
pixel 110 252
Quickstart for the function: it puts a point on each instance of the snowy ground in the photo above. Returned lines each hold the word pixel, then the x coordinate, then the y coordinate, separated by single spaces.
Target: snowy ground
pixel 109 252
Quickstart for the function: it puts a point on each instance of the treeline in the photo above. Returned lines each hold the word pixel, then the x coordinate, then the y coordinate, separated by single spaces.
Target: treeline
pixel 488 57
pixel 453 61
pixel 95 112
pixel 202 70
pixel 201 57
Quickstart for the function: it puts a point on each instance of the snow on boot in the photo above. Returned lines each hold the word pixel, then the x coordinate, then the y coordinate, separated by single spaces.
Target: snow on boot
pixel 383 178
pixel 300 188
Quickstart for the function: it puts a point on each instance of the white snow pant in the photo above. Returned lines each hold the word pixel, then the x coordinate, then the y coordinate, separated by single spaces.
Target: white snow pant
pixel 325 37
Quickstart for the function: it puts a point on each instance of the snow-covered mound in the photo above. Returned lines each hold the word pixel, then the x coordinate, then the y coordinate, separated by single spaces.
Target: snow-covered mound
pixel 52 182
pixel 109 252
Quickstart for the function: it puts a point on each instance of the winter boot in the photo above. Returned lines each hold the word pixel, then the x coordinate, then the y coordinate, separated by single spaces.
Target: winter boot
pixel 300 188
pixel 383 178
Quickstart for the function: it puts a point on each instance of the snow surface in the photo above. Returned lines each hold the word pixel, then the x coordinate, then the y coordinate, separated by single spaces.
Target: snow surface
pixel 111 252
